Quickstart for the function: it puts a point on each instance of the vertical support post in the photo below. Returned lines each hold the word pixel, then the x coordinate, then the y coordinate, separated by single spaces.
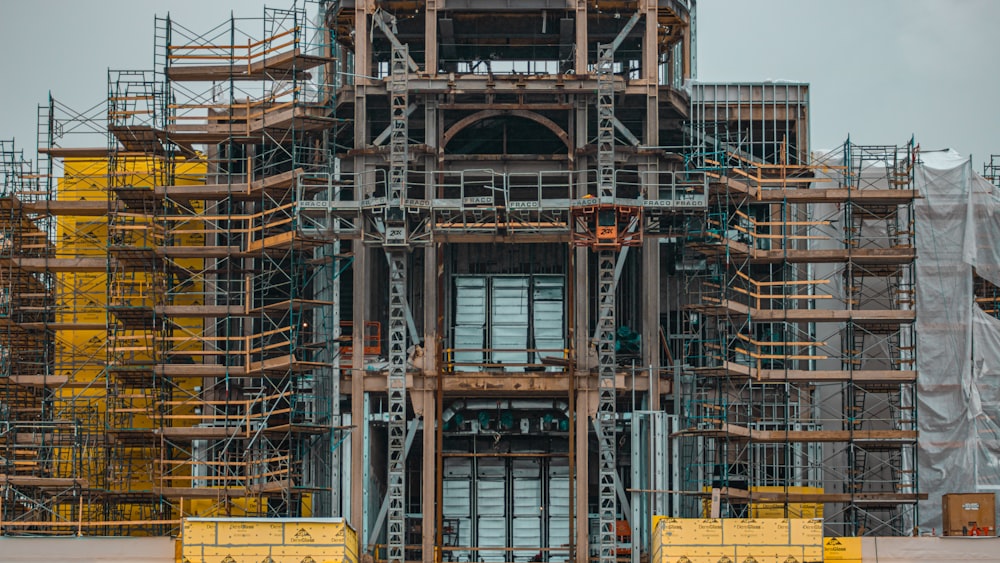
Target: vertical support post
pixel 362 44
pixel 431 37
pixel 606 259
pixel 396 249
pixel 640 477
pixel 362 492
pixel 359 418
pixel 650 179
pixel 398 138
pixel 606 122
pixel 650 295
pixel 581 37
pixel 396 388
pixel 428 526
pixel 581 474
pixel 433 433
pixel 606 407
pixel 581 408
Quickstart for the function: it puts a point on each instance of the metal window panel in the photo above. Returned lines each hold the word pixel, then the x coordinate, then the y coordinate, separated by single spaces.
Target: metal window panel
pixel 548 316
pixel 469 337
pixel 559 536
pixel 527 499
pixel 491 498
pixel 526 468
pixel 509 321
pixel 559 467
pixel 457 498
pixel 509 336
pixel 490 467
pixel 462 539
pixel 469 331
pixel 559 504
pixel 527 532
pixel 492 532
pixel 457 467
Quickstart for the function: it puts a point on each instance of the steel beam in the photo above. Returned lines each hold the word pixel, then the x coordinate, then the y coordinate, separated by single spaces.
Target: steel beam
pixel 387 23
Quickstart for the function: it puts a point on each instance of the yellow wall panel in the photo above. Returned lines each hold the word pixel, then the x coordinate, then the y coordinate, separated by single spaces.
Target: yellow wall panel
pixel 769 553
pixel 813 554
pixel 713 552
pixel 296 553
pixel 738 531
pixel 195 533
pixel 251 540
pixel 842 549
pixel 82 298
pixel 236 507
pixel 736 540
pixel 795 509
pixel 807 532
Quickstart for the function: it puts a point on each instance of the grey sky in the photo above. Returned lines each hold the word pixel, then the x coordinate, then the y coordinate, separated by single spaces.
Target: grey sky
pixel 879 69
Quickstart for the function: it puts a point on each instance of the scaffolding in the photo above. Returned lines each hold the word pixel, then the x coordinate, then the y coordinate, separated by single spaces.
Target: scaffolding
pixel 991 169
pixel 310 248
pixel 802 340
pixel 244 422
pixel 44 487
pixel 26 432
pixel 184 306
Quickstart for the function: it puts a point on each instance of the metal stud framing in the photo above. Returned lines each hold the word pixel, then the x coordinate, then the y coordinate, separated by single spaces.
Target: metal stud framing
pixel 395 233
pixel 607 258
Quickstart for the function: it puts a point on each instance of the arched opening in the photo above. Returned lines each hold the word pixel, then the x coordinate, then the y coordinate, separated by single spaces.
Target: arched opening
pixel 505 133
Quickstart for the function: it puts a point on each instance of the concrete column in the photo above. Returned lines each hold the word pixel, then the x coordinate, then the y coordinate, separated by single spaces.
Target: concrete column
pixel 359 312
pixel 650 291
pixel 430 37
pixel 650 295
pixel 650 49
pixel 581 331
pixel 362 52
pixel 581 37
pixel 432 303
pixel 357 386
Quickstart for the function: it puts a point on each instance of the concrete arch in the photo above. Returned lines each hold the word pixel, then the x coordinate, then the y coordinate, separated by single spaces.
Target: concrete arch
pixel 490 113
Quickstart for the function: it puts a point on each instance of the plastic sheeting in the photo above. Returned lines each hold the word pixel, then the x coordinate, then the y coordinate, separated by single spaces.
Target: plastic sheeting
pixel 958 345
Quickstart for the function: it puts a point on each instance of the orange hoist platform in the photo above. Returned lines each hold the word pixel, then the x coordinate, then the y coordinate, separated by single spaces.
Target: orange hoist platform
pixel 604 226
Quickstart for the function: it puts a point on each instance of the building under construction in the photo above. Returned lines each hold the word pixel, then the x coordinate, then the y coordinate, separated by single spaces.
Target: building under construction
pixel 491 282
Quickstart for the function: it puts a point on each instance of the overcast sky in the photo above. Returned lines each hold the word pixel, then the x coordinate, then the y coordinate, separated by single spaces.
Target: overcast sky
pixel 880 70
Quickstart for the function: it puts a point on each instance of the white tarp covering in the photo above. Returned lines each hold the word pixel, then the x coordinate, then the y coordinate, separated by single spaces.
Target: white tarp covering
pixel 958 345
